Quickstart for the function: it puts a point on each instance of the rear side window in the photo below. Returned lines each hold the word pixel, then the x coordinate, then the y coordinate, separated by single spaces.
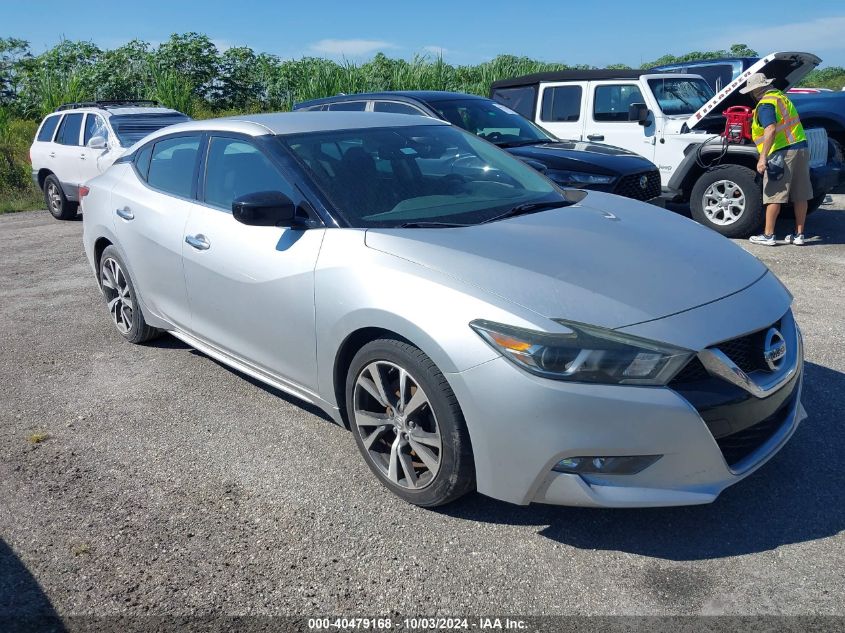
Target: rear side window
pixel 561 103
pixel 521 99
pixel 612 101
pixel 395 107
pixel 173 165
pixel 349 106
pixel 45 134
pixel 69 129
pixel 236 168
pixel 94 126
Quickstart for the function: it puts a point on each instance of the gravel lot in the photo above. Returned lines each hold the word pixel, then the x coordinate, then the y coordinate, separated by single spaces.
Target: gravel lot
pixel 168 484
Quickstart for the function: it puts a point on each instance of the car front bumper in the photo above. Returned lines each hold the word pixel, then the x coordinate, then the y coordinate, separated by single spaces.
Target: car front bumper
pixel 522 425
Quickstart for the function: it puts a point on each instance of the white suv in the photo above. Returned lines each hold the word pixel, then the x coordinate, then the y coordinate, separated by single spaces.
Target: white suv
pixel 80 140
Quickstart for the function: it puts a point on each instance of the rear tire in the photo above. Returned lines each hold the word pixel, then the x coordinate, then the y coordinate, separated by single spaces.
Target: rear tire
pixel 729 200
pixel 408 425
pixel 122 300
pixel 57 203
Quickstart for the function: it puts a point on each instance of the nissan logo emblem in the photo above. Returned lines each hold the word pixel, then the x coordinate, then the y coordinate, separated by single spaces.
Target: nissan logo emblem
pixel 643 181
pixel 774 350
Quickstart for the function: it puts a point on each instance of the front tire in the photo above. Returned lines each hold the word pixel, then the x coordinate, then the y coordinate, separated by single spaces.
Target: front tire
pixel 122 300
pixel 57 203
pixel 407 424
pixel 729 200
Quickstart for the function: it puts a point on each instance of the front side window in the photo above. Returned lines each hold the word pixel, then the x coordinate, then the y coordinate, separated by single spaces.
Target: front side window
pixel 348 106
pixel 94 126
pixel 69 129
pixel 561 103
pixel 396 107
pixel 680 96
pixel 235 168
pixel 389 177
pixel 45 134
pixel 491 121
pixel 521 99
pixel 611 102
pixel 172 165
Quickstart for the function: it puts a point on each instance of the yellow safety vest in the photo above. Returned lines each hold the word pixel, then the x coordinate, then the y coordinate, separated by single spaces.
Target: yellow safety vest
pixel 788 129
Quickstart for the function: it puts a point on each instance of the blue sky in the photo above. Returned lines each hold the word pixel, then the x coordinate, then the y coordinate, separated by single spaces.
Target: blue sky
pixel 586 32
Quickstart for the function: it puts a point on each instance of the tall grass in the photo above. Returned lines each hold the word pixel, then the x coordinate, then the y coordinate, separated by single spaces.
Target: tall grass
pixel 53 89
pixel 171 89
pixel 17 193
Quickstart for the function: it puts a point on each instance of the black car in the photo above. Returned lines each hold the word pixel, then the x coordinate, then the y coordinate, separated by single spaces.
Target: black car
pixel 569 163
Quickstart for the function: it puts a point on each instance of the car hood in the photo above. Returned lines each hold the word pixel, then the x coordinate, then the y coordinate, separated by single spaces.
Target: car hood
pixel 584 156
pixel 607 260
pixel 786 69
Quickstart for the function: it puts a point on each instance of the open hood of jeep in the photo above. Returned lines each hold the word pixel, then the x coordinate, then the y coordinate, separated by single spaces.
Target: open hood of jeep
pixel 787 69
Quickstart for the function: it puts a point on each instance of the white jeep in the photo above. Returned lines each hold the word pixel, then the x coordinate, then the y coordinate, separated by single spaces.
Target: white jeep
pixel 675 120
pixel 80 140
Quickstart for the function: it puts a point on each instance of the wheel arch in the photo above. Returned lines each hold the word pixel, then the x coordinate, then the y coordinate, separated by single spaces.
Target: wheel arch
pixel 42 176
pixel 100 244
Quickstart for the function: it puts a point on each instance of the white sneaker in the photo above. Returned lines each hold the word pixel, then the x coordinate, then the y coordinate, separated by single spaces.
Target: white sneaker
pixel 765 240
pixel 798 240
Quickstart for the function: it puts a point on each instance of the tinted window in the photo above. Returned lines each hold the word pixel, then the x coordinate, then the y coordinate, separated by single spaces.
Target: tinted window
pixel 520 99
pixel 561 103
pixel 491 121
pixel 94 126
pixel 69 129
pixel 172 165
pixel 396 107
pixel 235 168
pixel 349 106
pixel 611 102
pixel 131 128
pixel 48 127
pixel 142 160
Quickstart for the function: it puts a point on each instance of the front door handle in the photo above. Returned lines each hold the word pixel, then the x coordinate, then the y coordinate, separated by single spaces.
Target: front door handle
pixel 125 213
pixel 82 156
pixel 198 241
pixel 595 137
pixel 52 154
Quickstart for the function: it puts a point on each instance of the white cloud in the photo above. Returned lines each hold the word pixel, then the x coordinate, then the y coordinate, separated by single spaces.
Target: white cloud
pixel 352 48
pixel 436 50
pixel 812 35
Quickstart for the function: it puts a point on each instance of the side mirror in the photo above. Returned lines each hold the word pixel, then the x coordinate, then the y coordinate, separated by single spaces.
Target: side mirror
pixel 265 208
pixel 97 142
pixel 638 112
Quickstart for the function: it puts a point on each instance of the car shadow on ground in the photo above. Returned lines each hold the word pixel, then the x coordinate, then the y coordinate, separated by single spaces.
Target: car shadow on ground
pixel 795 497
pixel 23 604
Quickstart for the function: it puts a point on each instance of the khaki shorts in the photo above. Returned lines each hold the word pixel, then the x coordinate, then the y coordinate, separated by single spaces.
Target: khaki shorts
pixel 795 185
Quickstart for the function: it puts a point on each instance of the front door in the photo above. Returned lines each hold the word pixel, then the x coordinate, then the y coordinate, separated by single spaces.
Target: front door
pixel 251 288
pixel 607 117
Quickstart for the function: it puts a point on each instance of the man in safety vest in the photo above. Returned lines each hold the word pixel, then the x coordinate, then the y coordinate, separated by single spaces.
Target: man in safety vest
pixel 784 157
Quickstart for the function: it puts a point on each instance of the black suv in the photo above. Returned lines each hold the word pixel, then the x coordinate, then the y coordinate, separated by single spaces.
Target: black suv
pixel 579 164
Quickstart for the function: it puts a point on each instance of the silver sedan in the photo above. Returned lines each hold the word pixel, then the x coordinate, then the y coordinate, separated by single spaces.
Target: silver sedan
pixel 472 324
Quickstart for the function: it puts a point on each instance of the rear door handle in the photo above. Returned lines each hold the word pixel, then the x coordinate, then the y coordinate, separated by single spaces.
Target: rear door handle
pixel 595 137
pixel 52 154
pixel 82 156
pixel 125 213
pixel 198 241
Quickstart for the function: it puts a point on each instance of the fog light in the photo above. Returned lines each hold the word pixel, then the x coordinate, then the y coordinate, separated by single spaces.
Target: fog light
pixel 617 465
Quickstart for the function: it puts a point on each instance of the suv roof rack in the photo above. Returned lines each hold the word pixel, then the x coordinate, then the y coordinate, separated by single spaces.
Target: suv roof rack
pixel 108 104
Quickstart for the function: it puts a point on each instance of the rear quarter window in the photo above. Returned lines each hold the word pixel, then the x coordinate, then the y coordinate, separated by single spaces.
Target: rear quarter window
pixel 48 128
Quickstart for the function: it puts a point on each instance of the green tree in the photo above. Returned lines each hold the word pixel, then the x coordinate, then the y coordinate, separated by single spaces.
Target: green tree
pixel 122 73
pixel 13 54
pixel 193 57
pixel 239 84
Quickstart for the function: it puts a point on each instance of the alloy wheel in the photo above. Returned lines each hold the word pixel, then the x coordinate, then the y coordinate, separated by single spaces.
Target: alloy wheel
pixel 397 425
pixel 118 294
pixel 723 202
pixel 54 198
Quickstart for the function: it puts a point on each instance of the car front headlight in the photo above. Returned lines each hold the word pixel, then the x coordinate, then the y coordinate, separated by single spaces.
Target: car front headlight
pixel 586 353
pixel 579 178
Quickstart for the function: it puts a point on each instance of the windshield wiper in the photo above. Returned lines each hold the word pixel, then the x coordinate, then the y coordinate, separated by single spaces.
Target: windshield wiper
pixel 431 225
pixel 527 207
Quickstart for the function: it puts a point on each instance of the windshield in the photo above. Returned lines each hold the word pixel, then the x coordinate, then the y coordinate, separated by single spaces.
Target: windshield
pixel 131 128
pixel 680 96
pixel 491 121
pixel 435 174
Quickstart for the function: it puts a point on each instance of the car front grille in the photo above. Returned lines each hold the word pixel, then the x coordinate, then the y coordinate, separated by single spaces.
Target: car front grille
pixel 737 446
pixel 630 186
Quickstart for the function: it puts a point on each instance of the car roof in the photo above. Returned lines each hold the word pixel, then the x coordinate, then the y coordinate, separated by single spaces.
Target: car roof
pixel 570 75
pixel 424 96
pixel 282 123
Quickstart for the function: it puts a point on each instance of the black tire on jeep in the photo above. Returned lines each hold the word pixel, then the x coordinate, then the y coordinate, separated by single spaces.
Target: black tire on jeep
pixel 728 199
pixel 59 206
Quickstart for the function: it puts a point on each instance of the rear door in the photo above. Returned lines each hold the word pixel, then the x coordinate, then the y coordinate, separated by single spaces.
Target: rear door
pixel 607 117
pixel 251 288
pixel 43 151
pixel 561 109
pixel 151 208
pixel 67 148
